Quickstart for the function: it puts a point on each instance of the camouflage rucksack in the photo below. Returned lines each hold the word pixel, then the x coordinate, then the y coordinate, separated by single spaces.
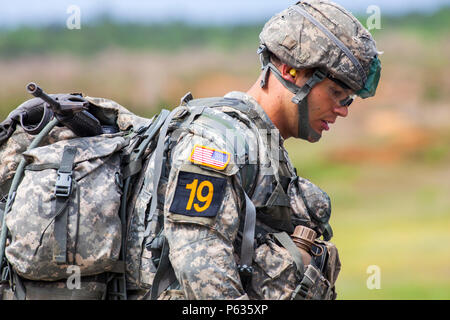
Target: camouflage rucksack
pixel 66 210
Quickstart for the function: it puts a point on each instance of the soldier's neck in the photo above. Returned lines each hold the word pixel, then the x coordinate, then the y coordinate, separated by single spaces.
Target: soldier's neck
pixel 272 105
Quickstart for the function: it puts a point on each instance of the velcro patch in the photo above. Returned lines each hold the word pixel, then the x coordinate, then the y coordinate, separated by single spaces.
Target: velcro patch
pixel 198 195
pixel 210 157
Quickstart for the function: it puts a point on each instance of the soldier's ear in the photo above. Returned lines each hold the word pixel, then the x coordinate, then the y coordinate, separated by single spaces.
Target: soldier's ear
pixel 288 73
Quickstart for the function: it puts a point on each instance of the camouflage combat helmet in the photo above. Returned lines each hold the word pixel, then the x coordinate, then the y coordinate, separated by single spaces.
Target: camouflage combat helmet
pixel 321 35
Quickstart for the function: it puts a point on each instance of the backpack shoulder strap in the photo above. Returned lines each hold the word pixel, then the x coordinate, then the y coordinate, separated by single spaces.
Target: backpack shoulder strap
pixel 248 171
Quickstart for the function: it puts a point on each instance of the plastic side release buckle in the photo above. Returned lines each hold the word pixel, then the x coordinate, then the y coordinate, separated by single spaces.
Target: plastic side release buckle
pixel 5 276
pixel 245 273
pixel 245 270
pixel 63 186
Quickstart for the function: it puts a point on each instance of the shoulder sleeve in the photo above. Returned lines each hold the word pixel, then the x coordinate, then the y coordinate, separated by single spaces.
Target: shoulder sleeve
pixel 202 211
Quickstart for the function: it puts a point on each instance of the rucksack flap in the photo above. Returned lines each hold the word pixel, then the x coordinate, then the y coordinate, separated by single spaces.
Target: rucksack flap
pixel 110 112
pixel 92 226
pixel 107 111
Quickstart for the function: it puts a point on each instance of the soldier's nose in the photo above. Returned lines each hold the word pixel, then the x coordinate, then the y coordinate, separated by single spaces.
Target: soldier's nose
pixel 341 111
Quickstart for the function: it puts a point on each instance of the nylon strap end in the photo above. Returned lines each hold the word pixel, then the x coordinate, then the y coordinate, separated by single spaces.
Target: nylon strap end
pixel 264 58
pixel 265 75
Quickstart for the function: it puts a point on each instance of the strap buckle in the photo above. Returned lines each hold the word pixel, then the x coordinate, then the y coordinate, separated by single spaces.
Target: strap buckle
pixel 63 186
pixel 5 276
pixel 297 98
pixel 310 277
pixel 245 270
pixel 316 78
pixel 245 273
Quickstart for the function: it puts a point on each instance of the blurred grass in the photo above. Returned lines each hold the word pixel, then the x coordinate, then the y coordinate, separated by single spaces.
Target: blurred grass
pixel 394 216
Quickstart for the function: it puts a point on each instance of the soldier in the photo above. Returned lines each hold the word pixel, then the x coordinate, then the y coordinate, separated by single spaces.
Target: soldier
pixel 228 165
pixel 218 211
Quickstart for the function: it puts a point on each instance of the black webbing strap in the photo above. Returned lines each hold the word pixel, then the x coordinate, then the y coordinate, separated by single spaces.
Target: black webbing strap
pixel 249 170
pixel 165 274
pixel 135 164
pixel 300 93
pixel 248 239
pixel 158 159
pixel 248 235
pixel 285 240
pixel 63 190
pixel 308 275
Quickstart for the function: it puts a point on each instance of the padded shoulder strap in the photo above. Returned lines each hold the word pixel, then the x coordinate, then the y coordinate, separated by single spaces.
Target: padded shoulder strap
pixel 248 171
pixel 248 177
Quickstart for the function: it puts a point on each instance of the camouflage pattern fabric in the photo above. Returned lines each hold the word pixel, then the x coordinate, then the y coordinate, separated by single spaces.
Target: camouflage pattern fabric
pixel 112 112
pixel 202 249
pixel 310 205
pixel 140 268
pixel 11 151
pixel 89 288
pixel 97 163
pixel 93 224
pixel 298 42
pixel 109 111
pixel 333 266
pixel 275 276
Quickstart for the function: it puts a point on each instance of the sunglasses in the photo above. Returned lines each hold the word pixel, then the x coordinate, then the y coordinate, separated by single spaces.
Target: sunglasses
pixel 346 102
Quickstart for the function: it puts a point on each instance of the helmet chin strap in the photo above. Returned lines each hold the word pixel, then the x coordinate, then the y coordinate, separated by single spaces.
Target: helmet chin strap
pixel 300 94
pixel 304 128
pixel 305 131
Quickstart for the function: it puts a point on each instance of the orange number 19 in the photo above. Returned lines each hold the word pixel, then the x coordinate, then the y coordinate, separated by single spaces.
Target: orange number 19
pixel 199 193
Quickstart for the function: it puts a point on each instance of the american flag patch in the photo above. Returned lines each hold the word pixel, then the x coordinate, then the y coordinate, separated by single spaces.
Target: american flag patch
pixel 210 157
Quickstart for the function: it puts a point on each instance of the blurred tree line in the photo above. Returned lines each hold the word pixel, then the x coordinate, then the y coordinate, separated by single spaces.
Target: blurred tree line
pixel 175 35
pixel 94 38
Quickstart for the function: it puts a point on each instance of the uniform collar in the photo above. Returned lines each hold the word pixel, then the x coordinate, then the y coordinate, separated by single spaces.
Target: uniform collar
pixel 249 100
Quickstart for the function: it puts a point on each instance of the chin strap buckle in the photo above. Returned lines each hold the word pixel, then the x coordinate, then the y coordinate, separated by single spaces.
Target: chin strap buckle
pixel 317 77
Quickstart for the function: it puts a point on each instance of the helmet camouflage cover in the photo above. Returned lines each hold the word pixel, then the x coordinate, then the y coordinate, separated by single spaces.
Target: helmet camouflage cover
pixel 323 35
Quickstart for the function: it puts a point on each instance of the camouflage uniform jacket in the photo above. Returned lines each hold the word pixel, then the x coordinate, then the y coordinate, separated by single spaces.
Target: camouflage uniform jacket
pixel 203 242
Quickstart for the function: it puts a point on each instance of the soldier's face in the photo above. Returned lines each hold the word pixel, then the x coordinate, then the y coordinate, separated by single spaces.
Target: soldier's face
pixel 324 105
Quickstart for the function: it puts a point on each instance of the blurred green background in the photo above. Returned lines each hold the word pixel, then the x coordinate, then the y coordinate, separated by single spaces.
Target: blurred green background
pixel 386 166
